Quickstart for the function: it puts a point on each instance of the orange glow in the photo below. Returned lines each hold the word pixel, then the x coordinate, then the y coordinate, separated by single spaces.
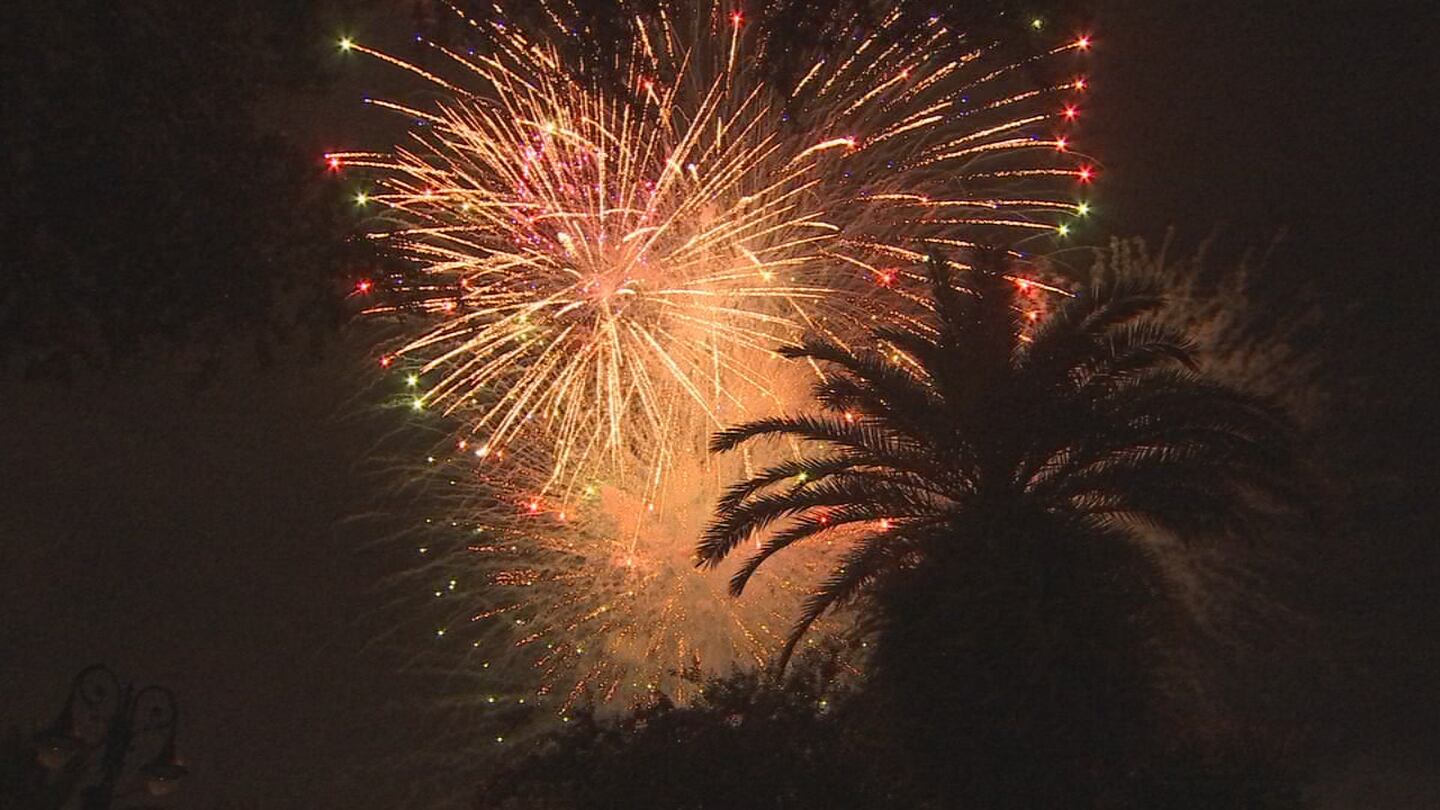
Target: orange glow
pixel 598 278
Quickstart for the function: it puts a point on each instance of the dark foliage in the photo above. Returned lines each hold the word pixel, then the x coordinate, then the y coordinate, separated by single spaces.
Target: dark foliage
pixel 808 742
pixel 1009 488
pixel 747 742
pixel 144 201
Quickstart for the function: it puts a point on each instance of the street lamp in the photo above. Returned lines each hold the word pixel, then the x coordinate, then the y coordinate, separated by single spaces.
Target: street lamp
pixel 126 735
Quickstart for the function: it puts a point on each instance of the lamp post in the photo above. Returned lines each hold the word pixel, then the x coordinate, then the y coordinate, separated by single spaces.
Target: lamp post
pixel 116 735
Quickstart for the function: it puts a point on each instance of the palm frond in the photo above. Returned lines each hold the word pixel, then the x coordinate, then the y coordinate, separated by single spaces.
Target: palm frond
pixel 870 558
pixel 1102 424
pixel 804 529
pixel 760 511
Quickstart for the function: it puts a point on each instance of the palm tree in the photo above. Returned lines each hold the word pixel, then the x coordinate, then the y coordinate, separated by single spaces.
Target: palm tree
pixel 1007 479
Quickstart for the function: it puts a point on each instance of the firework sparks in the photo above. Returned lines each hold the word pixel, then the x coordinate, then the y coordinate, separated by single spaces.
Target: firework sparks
pixel 598 597
pixel 595 256
pixel 607 267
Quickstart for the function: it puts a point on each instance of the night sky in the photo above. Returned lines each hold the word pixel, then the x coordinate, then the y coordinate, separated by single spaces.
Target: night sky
pixel 221 542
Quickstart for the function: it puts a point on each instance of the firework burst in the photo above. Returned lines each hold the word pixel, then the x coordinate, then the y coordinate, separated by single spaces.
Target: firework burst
pixel 598 597
pixel 605 268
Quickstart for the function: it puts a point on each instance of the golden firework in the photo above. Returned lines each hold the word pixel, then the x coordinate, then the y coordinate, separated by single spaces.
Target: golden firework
pixel 607 253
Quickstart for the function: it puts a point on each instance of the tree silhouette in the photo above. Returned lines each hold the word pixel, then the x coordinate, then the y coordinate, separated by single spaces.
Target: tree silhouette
pixel 151 201
pixel 747 741
pixel 1008 483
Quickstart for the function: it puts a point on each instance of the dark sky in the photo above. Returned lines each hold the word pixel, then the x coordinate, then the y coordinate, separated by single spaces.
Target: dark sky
pixel 206 541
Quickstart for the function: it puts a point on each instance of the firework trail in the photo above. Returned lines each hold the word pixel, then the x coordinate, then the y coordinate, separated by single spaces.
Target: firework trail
pixel 604 268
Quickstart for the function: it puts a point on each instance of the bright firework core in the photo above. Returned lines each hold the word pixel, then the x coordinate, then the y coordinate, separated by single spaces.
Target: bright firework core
pixel 608 266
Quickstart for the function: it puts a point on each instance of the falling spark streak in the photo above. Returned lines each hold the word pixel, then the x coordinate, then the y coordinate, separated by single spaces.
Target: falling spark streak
pixel 605 269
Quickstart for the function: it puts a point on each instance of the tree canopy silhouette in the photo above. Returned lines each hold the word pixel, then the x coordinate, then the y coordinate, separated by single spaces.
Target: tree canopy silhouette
pixel 147 200
pixel 1008 483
